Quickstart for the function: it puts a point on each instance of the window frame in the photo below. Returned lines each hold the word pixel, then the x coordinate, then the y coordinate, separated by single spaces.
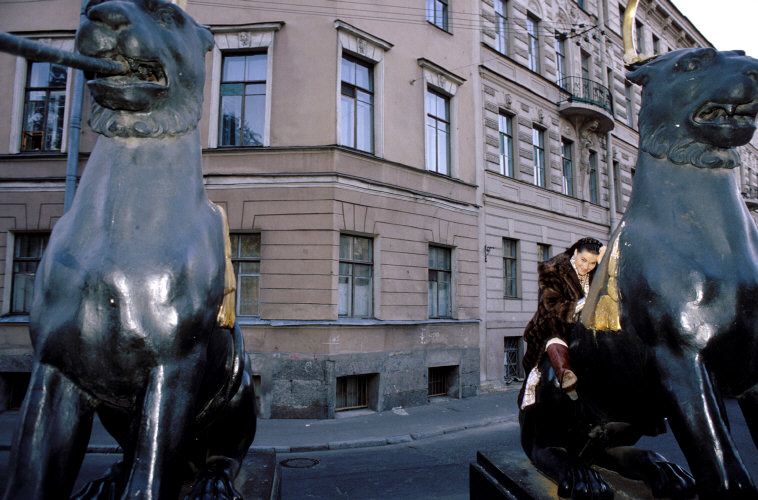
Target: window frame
pixel 253 37
pixel 19 97
pixel 567 164
pixel 506 136
pixel 618 185
pixel 445 271
pixel 447 120
pixel 593 178
pixel 245 83
pixel 501 26
pixel 352 262
pixel 533 42
pixel 346 56
pixel 544 252
pixel 432 14
pixel 354 42
pixel 236 260
pixel 629 103
pixel 538 154
pixel 511 264
pixel 13 238
pixel 561 69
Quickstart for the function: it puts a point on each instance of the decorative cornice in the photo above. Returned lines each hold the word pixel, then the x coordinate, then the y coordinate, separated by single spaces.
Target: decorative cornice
pixel 251 27
pixel 359 33
pixel 436 68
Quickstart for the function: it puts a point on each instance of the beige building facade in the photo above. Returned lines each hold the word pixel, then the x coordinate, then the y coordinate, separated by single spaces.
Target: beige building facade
pixel 392 174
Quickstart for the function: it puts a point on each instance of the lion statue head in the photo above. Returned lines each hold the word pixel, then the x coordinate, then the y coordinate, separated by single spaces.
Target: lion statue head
pixel 697 105
pixel 164 48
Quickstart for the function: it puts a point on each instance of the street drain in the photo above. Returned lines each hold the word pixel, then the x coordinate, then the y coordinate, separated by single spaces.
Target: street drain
pixel 300 463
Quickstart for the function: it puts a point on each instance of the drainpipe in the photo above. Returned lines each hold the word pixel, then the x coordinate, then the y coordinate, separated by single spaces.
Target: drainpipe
pixel 74 131
pixel 608 137
pixel 611 180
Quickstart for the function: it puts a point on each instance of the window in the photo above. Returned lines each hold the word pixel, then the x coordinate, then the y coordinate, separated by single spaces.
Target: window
pixel 586 64
pixel 628 101
pixel 44 104
pixel 436 13
pixel 538 146
pixel 352 392
pixel 543 252
pixel 533 59
pixel 640 37
pixel 356 281
pixel 511 359
pixel 27 252
pixel 440 283
pixel 501 31
pixel 594 182
pixel 560 59
pixel 656 44
pixel 622 10
pixel 610 79
pixel 441 381
pixel 357 104
pixel 505 128
pixel 246 259
pixel 437 132
pixel 510 268
pixel 617 187
pixel 243 100
pixel 568 167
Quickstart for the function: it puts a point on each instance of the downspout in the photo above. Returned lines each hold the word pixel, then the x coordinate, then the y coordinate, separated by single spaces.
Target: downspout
pixel 608 137
pixel 74 131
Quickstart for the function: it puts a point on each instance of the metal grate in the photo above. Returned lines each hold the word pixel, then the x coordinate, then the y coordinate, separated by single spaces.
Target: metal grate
pixel 511 370
pixel 439 380
pixel 352 392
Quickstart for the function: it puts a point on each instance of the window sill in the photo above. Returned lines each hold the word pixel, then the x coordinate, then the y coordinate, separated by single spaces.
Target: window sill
pixel 21 318
pixel 444 30
pixel 249 321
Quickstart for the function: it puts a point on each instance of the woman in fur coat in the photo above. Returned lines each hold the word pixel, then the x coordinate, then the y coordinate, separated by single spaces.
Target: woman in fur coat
pixel 564 282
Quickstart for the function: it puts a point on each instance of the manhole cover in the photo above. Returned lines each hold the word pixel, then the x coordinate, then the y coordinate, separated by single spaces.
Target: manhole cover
pixel 300 463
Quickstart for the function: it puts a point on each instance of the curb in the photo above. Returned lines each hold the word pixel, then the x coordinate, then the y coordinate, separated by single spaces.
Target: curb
pixel 390 440
pixel 345 444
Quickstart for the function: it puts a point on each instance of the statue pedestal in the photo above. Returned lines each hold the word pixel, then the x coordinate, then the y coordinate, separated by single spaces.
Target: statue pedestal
pixel 259 477
pixel 508 474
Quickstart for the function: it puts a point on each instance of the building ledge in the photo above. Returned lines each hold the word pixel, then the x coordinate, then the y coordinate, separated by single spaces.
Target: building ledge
pixel 349 322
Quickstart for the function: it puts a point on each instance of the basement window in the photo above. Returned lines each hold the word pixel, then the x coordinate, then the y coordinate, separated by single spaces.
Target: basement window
pixel 442 381
pixel 352 392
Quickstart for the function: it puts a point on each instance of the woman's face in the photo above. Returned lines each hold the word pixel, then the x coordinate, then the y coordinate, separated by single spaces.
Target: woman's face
pixel 585 261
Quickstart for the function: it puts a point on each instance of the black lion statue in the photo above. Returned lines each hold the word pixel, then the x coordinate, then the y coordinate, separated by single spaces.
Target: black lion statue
pixel 670 324
pixel 133 314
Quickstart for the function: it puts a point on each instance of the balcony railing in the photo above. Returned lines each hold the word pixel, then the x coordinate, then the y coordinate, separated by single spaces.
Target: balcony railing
pixel 587 91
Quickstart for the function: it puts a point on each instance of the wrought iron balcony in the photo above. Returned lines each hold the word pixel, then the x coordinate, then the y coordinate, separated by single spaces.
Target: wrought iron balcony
pixel 751 197
pixel 581 97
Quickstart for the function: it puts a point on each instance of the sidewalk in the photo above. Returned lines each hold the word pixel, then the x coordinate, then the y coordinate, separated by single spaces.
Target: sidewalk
pixel 361 430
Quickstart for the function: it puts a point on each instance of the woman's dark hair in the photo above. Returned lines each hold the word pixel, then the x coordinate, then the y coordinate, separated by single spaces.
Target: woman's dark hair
pixel 590 244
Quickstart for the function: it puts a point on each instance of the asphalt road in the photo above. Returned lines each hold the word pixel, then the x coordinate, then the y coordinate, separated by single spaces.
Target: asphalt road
pixel 431 468
pixel 438 468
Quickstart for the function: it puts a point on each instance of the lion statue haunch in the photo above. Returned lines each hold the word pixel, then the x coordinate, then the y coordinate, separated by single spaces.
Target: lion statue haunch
pixel 670 324
pixel 126 317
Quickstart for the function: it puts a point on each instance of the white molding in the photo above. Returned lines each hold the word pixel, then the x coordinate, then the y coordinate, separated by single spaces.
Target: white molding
pixel 378 44
pixel 227 38
pixel 63 42
pixel 372 48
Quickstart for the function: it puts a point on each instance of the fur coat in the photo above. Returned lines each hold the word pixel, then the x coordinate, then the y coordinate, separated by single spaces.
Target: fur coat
pixel 559 291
